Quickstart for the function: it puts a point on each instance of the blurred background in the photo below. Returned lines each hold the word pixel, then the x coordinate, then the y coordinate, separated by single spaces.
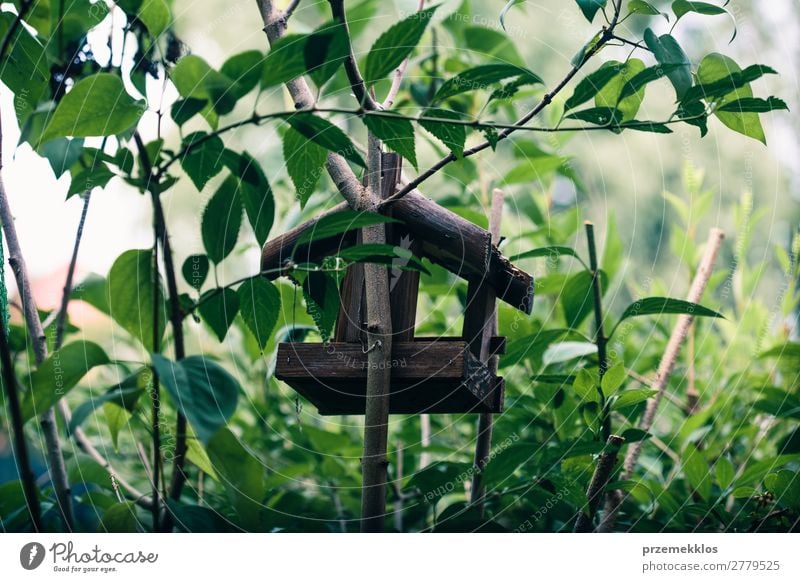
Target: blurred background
pixel 624 175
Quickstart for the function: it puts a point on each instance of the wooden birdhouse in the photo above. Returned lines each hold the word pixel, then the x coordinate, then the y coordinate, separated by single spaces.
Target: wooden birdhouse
pixel 429 374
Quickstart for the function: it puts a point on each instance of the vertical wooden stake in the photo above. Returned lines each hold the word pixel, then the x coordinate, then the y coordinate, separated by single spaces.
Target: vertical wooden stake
pixel 483 442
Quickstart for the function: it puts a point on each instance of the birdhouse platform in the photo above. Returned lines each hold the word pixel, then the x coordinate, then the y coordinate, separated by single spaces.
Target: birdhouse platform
pixel 428 375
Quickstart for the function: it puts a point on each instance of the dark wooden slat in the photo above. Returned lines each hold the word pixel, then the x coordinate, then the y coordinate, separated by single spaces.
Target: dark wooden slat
pixel 427 377
pixel 410 360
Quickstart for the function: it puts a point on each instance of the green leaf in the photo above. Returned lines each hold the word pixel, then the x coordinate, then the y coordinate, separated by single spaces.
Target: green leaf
pixel 613 379
pixel 727 80
pixel 577 297
pixel 90 178
pixel 338 223
pixel 635 435
pixel 155 16
pixel 305 162
pixel 25 68
pixel 632 397
pixel 254 192
pixel 325 51
pixel 285 61
pixel 241 474
pixel 597 115
pixel 662 305
pixel 219 307
pixel 383 254
pixel 59 374
pixel 725 472
pixel 184 109
pixel 96 106
pixel 695 468
pixel 648 126
pixel 195 270
pixel 222 219
pixel 325 134
pixel 244 69
pixel 682 7
pixel 201 389
pixel 549 252
pixel 203 158
pixel 121 517
pixel 668 52
pixel 640 80
pixel 642 7
pixel 585 386
pixel 452 135
pixel 566 351
pixel 322 301
pixel 591 85
pixel 754 105
pixel 125 395
pixel 393 46
pixel 481 77
pixel 397 134
pixel 590 7
pixel 260 303
pixel 195 79
pixel 131 299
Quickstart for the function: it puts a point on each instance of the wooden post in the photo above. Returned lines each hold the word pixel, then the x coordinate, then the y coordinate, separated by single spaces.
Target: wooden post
pixel 480 325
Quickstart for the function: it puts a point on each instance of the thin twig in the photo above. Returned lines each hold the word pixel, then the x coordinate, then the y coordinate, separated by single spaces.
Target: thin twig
pixel 354 76
pixel 665 368
pixel 605 36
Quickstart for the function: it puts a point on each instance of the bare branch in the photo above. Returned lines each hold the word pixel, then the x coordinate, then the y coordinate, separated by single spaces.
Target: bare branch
pixel 55 456
pixel 357 83
pixel 665 368
pixel 343 177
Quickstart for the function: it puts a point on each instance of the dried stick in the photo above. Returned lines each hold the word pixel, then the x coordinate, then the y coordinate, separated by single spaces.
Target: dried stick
pixel 601 477
pixel 47 421
pixel 665 368
pixel 483 443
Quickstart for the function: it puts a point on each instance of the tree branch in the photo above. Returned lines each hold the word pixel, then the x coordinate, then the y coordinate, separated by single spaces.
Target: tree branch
pixel 357 83
pixel 47 421
pixel 605 36
pixel 26 476
pixel 343 177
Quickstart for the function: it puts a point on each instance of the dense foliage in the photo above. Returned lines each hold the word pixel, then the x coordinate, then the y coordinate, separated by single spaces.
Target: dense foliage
pixel 179 402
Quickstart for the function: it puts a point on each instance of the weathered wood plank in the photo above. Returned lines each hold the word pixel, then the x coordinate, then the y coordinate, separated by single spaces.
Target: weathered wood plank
pixel 427 377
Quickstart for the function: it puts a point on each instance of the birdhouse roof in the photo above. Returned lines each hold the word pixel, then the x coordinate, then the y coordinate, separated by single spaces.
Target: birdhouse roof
pixel 443 237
